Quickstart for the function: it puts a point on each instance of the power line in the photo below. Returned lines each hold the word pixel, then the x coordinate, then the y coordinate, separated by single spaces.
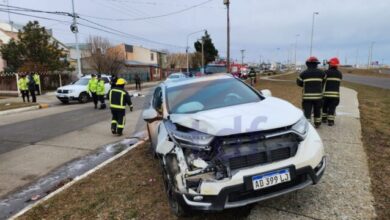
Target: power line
pixel 151 17
pixel 34 16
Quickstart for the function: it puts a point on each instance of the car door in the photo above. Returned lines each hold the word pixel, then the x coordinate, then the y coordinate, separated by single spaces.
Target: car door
pixel 153 127
pixel 107 85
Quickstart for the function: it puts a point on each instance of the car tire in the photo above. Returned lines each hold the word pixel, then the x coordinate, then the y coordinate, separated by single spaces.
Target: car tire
pixel 169 186
pixel 84 97
pixel 65 101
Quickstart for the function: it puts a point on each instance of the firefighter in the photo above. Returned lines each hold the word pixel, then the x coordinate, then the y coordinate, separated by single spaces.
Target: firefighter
pixel 23 87
pixel 92 88
pixel 100 91
pixel 312 81
pixel 119 98
pixel 331 98
pixel 252 76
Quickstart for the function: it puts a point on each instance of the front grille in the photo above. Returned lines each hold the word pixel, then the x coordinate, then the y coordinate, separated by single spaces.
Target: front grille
pixel 65 91
pixel 245 194
pixel 246 150
pixel 59 91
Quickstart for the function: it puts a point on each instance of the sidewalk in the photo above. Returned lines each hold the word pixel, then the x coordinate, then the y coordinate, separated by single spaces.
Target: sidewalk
pixel 345 189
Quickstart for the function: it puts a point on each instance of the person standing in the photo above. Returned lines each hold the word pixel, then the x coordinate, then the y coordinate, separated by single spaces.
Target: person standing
pixel 252 76
pixel 92 88
pixel 37 83
pixel 119 98
pixel 137 82
pixel 114 78
pixel 331 98
pixel 23 87
pixel 31 87
pixel 100 91
pixel 312 81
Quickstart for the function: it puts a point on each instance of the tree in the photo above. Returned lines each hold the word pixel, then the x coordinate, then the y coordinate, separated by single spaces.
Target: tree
pixel 103 57
pixel 34 50
pixel 210 53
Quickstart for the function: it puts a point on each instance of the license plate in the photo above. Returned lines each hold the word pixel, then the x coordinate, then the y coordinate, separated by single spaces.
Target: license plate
pixel 270 179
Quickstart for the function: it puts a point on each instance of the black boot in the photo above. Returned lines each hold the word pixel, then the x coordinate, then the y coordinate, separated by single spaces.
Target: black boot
pixel 317 124
pixel 324 119
pixel 330 123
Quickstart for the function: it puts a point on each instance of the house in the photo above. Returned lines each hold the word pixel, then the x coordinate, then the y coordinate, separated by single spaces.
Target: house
pixel 85 52
pixel 148 64
pixel 10 31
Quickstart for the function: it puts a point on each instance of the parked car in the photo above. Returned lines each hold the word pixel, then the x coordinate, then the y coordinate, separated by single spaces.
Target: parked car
pixel 176 76
pixel 77 91
pixel 222 144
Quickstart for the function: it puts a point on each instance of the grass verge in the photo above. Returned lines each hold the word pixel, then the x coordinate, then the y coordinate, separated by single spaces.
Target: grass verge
pixel 15 105
pixel 381 73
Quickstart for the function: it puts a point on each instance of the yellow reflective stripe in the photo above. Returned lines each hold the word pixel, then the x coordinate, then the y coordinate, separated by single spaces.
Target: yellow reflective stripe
pixel 332 96
pixel 114 122
pixel 316 79
pixel 299 78
pixel 330 92
pixel 317 119
pixel 312 94
pixel 333 79
pixel 123 123
pixel 117 106
pixel 312 98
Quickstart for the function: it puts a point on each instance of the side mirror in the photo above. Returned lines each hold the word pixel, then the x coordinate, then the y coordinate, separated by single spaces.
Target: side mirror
pixel 149 115
pixel 266 93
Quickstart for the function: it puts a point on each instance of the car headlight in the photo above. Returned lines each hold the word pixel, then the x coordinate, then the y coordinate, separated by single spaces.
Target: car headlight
pixel 70 91
pixel 190 138
pixel 301 127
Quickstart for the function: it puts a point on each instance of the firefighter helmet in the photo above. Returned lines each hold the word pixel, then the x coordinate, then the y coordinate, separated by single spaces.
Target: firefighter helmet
pixel 120 82
pixel 312 60
pixel 334 62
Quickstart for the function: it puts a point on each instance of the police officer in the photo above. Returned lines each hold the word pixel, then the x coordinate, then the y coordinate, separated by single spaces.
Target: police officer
pixel 119 98
pixel 331 98
pixel 31 86
pixel 37 83
pixel 23 87
pixel 100 90
pixel 92 89
pixel 312 81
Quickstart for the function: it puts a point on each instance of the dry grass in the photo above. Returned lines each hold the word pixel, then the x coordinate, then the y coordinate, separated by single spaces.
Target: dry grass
pixel 15 105
pixel 382 73
pixel 374 106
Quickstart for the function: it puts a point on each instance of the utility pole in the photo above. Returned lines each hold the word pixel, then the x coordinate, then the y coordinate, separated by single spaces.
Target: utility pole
pixel 9 16
pixel 202 42
pixel 312 33
pixel 370 54
pixel 75 30
pixel 357 58
pixel 295 49
pixel 242 56
pixel 227 3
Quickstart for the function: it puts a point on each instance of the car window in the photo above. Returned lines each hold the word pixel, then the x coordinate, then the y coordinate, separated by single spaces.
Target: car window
pixel 157 99
pixel 82 82
pixel 105 79
pixel 208 95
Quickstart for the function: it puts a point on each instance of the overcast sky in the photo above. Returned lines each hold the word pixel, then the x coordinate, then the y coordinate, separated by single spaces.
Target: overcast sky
pixel 343 28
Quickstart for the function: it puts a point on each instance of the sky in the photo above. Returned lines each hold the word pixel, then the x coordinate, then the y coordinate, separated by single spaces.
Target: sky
pixel 266 30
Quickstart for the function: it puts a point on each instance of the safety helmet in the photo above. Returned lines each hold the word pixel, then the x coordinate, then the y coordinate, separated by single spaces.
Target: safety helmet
pixel 312 60
pixel 334 62
pixel 120 82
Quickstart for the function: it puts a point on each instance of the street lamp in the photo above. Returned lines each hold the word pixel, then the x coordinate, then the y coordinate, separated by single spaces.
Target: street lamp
pixel 312 33
pixel 370 53
pixel 295 49
pixel 202 42
pixel 227 3
pixel 187 48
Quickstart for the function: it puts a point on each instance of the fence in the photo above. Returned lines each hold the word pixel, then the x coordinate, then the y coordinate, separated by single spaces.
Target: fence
pixel 49 81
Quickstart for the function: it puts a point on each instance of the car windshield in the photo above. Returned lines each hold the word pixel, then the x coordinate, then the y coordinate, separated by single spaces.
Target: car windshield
pixel 215 69
pixel 174 76
pixel 208 95
pixel 82 82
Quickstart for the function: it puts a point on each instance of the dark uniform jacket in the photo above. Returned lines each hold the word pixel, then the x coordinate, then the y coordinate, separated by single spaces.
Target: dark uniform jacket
pixel 312 81
pixel 119 98
pixel 333 79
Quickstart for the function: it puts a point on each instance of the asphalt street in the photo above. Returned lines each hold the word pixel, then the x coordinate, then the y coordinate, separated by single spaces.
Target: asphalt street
pixel 366 80
pixel 29 132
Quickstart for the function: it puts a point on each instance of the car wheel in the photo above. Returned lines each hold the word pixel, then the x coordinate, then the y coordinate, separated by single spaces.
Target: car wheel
pixel 175 206
pixel 65 101
pixel 83 97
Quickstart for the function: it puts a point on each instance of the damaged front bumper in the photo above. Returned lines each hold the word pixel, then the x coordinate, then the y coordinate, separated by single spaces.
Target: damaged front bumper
pixel 244 194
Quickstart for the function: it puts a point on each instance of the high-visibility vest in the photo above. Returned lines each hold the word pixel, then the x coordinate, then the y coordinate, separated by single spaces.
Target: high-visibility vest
pixel 23 84
pixel 92 85
pixel 36 79
pixel 100 90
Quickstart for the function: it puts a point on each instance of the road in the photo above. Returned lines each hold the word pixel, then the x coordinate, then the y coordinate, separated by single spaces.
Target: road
pixel 34 143
pixel 366 80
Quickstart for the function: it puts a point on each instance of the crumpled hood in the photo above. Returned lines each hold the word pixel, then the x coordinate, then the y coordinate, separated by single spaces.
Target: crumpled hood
pixel 268 114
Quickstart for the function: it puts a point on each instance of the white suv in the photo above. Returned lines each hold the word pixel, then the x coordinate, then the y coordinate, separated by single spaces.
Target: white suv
pixel 78 90
pixel 222 144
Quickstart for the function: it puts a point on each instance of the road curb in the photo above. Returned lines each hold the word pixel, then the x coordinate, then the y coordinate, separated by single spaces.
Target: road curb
pixel 77 179
pixel 18 110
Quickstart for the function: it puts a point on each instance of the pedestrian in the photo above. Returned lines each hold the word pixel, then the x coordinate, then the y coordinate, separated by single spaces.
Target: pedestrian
pixel 119 98
pixel 312 81
pixel 31 86
pixel 37 83
pixel 23 87
pixel 92 88
pixel 137 82
pixel 252 76
pixel 114 78
pixel 331 98
pixel 100 91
